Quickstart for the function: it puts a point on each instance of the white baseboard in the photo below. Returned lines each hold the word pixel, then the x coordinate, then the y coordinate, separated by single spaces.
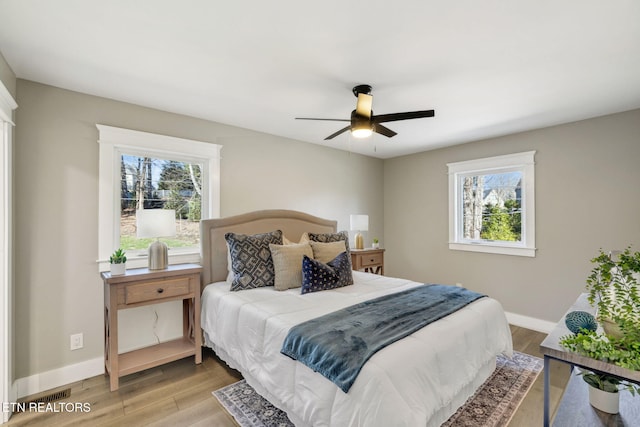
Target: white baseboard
pixel 530 322
pixel 58 377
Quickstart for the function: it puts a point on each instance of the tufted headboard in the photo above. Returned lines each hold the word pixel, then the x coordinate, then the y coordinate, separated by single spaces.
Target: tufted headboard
pixel 214 246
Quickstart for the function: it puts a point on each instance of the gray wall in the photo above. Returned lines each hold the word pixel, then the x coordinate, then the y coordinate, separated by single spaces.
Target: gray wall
pixel 586 187
pixel 58 290
pixel 587 197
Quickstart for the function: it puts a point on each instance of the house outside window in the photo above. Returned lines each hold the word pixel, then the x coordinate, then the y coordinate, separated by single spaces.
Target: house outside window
pixel 492 205
pixel 140 170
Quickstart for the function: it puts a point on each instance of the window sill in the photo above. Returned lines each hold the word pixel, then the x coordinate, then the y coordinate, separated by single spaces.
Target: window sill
pixel 142 261
pixel 493 249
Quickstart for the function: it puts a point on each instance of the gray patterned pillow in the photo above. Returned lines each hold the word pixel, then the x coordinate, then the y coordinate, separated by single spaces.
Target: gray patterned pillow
pixel 251 262
pixel 332 237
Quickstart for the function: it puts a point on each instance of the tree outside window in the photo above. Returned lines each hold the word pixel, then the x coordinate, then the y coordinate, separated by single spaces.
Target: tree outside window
pixel 155 183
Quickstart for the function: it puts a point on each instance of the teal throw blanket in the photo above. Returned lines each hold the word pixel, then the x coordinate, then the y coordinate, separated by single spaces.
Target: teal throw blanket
pixel 338 344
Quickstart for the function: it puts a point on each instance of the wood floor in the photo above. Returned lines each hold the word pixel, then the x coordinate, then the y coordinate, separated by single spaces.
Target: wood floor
pixel 179 394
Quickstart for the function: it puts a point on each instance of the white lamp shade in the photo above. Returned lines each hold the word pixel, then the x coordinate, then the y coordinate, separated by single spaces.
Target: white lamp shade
pixel 156 223
pixel 359 222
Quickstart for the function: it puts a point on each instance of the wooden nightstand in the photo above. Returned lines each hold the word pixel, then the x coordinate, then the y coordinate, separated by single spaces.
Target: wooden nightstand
pixel 371 260
pixel 140 287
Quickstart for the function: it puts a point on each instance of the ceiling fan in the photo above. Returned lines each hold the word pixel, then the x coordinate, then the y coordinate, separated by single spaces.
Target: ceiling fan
pixel 364 123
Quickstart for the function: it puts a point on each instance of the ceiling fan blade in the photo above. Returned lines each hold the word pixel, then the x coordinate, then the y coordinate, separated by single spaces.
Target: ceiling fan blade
pixel 363 107
pixel 382 130
pixel 394 117
pixel 327 120
pixel 333 135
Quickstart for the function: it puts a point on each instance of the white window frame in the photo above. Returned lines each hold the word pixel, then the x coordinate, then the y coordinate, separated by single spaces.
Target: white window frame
pixel 115 141
pixel 8 390
pixel 521 162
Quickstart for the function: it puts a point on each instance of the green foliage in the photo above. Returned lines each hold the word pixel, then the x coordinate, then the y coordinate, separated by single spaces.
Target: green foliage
pixel 623 352
pixel 195 208
pixel 133 243
pixel 174 176
pixel 613 289
pixel 118 257
pixel 375 240
pixel 178 203
pixel 496 224
pixel 603 382
pixel 515 217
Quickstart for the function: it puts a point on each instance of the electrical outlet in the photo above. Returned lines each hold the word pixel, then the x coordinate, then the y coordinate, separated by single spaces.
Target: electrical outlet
pixel 76 341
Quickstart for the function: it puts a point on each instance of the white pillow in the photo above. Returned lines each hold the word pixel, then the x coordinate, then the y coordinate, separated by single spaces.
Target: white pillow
pixel 287 263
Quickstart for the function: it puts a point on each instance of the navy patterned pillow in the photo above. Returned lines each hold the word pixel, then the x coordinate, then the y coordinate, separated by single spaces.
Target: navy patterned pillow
pixel 251 261
pixel 318 276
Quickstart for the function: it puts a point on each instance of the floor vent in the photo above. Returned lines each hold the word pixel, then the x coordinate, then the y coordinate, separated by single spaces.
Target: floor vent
pixel 52 397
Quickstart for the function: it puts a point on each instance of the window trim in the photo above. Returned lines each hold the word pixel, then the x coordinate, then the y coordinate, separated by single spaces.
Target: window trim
pixel 522 162
pixel 113 142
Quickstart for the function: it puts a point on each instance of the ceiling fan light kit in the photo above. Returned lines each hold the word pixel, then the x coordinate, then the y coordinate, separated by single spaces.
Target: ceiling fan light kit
pixel 364 122
pixel 361 133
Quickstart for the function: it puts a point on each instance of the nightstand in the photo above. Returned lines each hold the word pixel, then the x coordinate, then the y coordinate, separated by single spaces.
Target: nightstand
pixel 141 286
pixel 371 260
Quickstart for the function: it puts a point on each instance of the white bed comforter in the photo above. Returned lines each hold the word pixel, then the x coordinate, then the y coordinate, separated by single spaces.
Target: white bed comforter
pixel 417 381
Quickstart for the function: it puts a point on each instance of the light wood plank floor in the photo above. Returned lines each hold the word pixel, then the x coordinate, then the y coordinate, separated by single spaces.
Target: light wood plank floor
pixel 179 394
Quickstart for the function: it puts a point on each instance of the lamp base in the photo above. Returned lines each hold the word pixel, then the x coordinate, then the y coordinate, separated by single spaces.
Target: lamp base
pixel 158 256
pixel 359 240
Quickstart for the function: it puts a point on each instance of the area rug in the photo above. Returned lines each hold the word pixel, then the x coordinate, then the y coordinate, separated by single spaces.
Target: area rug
pixel 492 405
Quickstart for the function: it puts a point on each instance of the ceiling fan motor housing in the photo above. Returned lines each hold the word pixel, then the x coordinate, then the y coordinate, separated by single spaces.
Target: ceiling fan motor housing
pixel 365 89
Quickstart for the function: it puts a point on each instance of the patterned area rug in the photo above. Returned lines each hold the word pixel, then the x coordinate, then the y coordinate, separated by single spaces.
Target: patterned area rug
pixel 492 405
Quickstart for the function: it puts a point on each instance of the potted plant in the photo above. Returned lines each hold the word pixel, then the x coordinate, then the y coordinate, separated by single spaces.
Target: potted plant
pixel 118 262
pixel 603 393
pixel 613 290
pixel 376 243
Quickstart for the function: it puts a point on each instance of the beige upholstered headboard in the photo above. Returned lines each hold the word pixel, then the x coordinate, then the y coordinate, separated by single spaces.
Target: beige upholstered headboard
pixel 214 246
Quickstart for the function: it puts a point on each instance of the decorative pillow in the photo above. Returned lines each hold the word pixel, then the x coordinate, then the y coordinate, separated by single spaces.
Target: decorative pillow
pixel 287 263
pixel 332 237
pixel 303 239
pixel 325 252
pixel 229 270
pixel 318 276
pixel 251 261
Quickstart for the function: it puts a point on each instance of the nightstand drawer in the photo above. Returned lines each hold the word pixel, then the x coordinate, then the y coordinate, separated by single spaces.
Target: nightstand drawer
pixel 371 259
pixel 156 290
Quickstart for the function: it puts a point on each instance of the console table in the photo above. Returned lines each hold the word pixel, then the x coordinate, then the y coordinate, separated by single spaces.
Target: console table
pixel 140 287
pixel 551 349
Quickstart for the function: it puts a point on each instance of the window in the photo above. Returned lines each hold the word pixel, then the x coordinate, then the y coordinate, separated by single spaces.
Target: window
pixel 155 183
pixel 140 170
pixel 492 206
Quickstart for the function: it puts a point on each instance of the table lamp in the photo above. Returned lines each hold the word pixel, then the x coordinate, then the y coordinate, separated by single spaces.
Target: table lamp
pixel 359 223
pixel 156 223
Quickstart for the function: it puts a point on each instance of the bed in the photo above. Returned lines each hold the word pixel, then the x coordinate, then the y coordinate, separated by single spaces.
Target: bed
pixel 419 380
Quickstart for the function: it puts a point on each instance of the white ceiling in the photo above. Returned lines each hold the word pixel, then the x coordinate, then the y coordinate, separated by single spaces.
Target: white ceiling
pixel 488 68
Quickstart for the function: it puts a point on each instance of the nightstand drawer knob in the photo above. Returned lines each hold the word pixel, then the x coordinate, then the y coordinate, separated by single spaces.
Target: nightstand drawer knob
pixel 160 290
